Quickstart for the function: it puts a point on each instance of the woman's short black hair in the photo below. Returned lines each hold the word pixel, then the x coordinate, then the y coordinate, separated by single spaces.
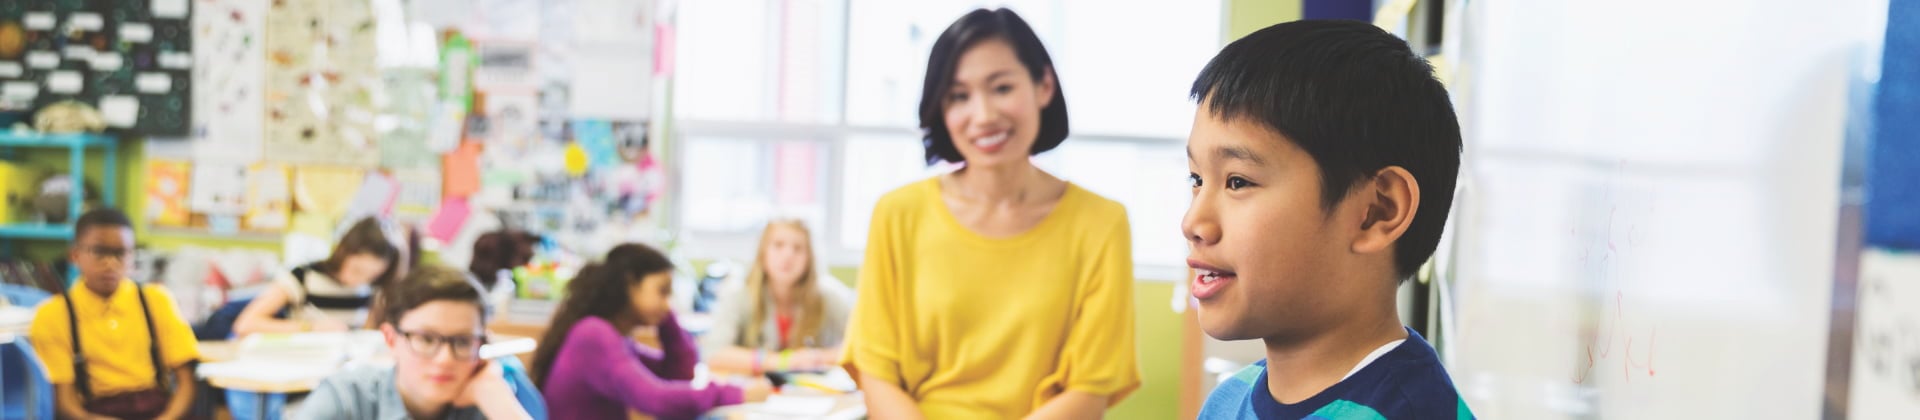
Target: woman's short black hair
pixel 981 25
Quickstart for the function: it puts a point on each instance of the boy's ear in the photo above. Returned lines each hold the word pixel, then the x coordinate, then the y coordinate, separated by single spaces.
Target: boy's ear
pixel 386 332
pixel 1390 198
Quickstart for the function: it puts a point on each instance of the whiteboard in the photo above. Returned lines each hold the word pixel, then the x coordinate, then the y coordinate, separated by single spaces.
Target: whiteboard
pixel 1650 191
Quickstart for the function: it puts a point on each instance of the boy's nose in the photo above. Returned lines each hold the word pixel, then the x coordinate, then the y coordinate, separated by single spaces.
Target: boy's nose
pixel 1199 225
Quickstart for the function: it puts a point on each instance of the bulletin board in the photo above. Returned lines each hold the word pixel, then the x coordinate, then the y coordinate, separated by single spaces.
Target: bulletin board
pixel 132 60
pixel 451 116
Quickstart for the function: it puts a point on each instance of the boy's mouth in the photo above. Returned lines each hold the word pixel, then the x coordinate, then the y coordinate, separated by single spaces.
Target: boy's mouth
pixel 1208 280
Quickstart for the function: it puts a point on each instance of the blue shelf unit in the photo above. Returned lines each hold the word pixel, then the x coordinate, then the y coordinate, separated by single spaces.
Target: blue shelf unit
pixel 77 145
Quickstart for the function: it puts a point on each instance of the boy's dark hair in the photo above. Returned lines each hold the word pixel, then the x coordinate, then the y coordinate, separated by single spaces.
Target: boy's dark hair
pixel 429 283
pixel 1357 100
pixel 976 26
pixel 365 237
pixel 100 217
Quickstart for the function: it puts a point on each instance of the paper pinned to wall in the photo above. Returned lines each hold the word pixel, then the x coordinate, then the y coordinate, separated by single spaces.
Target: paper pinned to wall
pixel 319 101
pixel 326 190
pixel 462 170
pixel 167 193
pixel 374 198
pixel 218 188
pixel 612 21
pixel 452 215
pixel 269 198
pixel 512 120
pixel 419 192
pixel 229 62
pixel 620 82
pixel 505 66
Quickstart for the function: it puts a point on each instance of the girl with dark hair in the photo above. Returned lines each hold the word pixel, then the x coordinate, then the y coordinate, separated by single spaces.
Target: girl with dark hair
pixel 588 367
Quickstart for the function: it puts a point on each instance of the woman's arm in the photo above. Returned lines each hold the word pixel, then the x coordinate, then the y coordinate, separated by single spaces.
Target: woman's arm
pixel 1098 356
pixel 887 401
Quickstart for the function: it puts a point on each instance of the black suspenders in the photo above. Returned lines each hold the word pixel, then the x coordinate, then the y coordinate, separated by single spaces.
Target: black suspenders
pixel 80 379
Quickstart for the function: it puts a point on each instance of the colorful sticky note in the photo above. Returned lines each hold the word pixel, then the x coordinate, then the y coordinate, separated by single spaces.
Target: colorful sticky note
pixel 576 158
pixel 447 222
pixel 462 170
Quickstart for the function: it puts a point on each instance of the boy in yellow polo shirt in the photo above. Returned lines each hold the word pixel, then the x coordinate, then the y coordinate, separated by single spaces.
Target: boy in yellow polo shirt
pixel 124 332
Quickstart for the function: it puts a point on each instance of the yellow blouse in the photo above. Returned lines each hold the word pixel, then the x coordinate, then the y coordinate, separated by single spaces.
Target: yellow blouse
pixel 978 327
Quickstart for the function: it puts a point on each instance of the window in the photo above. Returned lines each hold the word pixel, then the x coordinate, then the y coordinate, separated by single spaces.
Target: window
pixel 845 77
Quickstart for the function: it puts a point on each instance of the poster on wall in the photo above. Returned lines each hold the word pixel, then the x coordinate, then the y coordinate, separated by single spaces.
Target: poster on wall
pixel 269 198
pixel 167 193
pixel 320 82
pixel 228 65
pixel 130 61
pixel 218 188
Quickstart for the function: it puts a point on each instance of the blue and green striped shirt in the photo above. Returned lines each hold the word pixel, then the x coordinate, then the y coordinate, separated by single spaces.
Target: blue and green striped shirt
pixel 1407 382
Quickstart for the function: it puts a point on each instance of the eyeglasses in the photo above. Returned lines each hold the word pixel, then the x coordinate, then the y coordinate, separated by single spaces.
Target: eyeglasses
pixel 463 347
pixel 105 252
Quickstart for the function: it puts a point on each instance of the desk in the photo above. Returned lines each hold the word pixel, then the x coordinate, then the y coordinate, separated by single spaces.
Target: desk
pixel 850 405
pixel 845 406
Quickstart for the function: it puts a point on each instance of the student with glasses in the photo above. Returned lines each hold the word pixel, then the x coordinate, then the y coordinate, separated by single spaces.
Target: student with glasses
pixel 434 326
pixel 112 348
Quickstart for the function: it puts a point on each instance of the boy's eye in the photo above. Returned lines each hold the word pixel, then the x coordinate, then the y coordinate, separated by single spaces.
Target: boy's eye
pixel 1236 183
pixel 1193 180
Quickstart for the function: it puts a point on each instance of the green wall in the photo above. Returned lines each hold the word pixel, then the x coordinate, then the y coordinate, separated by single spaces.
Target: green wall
pixel 129 195
pixel 1246 16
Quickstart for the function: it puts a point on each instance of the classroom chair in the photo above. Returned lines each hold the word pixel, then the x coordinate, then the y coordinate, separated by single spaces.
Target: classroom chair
pixel 24 389
pixel 523 388
pixel 23 296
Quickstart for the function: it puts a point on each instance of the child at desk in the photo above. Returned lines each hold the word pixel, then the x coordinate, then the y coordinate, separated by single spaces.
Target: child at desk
pixel 787 319
pixel 1323 158
pixel 114 349
pixel 434 327
pixel 330 295
pixel 588 366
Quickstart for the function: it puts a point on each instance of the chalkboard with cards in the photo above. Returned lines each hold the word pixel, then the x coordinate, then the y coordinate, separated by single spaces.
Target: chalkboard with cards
pixel 130 59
